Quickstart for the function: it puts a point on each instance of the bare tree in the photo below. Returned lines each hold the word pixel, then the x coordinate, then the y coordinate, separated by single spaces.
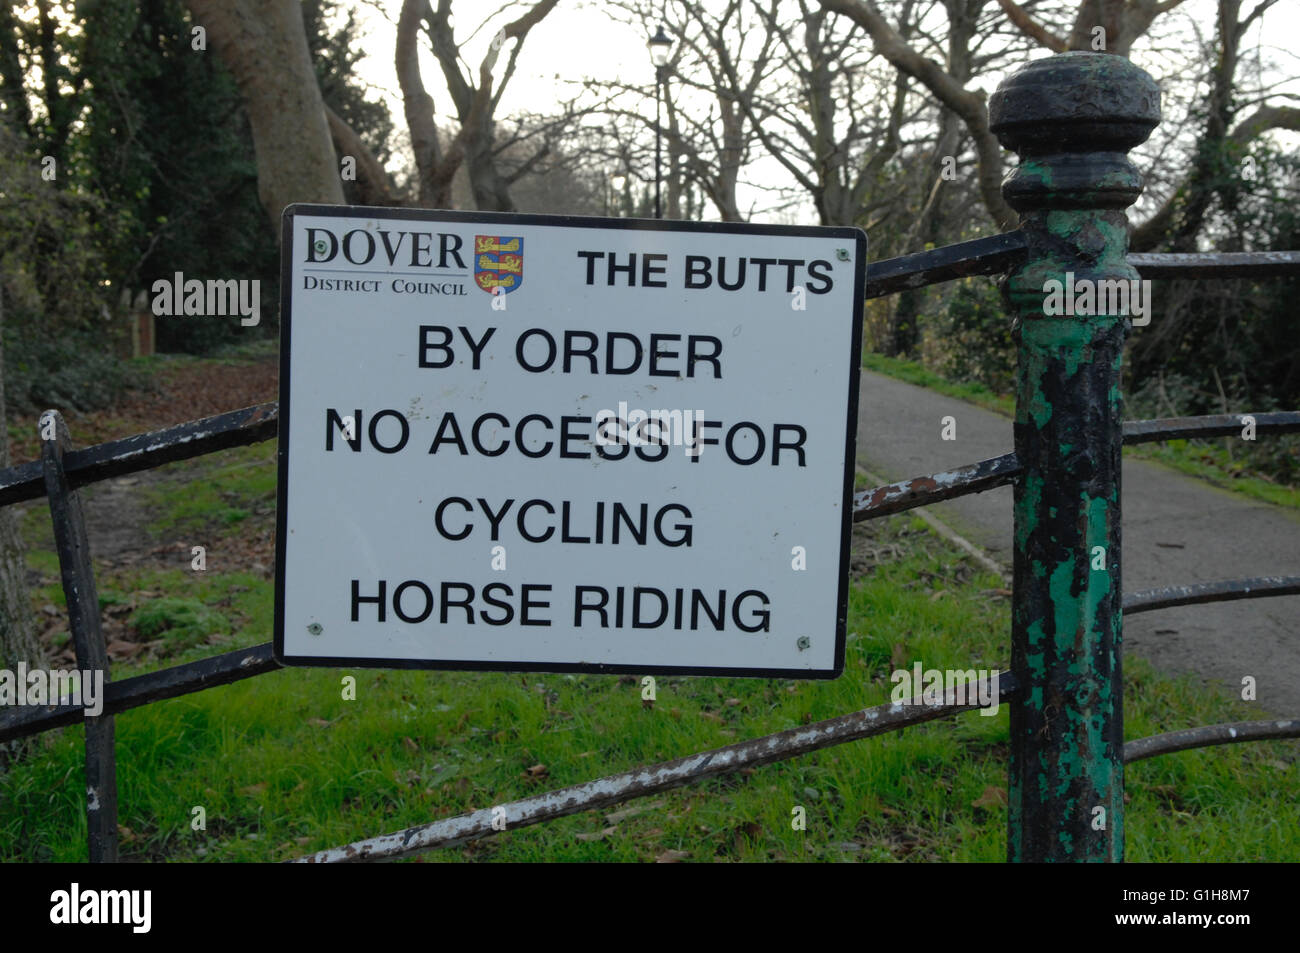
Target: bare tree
pixel 836 125
pixel 768 79
pixel 1113 26
pixel 475 99
pixel 970 105
pixel 1180 219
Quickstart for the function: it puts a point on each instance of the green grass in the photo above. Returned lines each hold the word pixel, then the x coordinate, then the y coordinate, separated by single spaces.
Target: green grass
pixel 234 354
pixel 1210 461
pixel 229 487
pixel 282 764
pixel 1206 460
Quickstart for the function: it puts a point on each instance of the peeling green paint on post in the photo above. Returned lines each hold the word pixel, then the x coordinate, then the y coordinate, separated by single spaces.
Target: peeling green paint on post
pixel 1072 118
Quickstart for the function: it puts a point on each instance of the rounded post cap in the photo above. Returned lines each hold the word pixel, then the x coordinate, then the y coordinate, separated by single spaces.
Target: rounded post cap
pixel 1089 102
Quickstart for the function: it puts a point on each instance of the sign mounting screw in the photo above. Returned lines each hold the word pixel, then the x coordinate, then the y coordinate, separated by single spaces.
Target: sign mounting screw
pixel 842 254
pixel 803 642
pixel 315 628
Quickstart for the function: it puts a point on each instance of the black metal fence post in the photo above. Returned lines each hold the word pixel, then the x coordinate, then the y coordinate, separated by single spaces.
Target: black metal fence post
pixel 1071 118
pixel 87 636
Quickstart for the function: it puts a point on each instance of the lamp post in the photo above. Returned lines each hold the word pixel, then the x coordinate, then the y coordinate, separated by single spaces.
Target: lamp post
pixel 617 181
pixel 659 46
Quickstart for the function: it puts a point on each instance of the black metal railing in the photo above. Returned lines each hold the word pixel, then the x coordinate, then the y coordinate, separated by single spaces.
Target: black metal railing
pixel 1034 828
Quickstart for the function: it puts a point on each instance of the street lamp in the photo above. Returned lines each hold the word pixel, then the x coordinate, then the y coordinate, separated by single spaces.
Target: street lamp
pixel 659 46
pixel 618 180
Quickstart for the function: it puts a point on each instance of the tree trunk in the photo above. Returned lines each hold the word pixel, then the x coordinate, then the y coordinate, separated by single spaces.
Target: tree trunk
pixel 491 189
pixel 264 45
pixel 17 632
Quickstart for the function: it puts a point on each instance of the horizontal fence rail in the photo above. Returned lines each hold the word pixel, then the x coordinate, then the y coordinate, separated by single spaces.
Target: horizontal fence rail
pixel 258 423
pixel 1000 253
pixel 999 471
pixel 983 256
pixel 1212 425
pixel 258 660
pixel 1209 735
pixel 1215 265
pixel 146 450
pixel 120 696
pixel 1149 600
pixel 254 424
pixel 652 779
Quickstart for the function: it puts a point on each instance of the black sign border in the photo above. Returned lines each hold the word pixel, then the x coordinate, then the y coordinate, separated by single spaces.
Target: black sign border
pixel 504 219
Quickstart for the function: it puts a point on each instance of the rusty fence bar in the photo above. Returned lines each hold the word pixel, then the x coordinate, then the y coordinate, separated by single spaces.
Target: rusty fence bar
pixel 258 423
pixel 253 424
pixel 1001 253
pixel 935 487
pixel 1209 735
pixel 145 451
pixel 1166 597
pixel 982 256
pixel 1004 469
pixel 653 779
pixel 258 660
pixel 143 689
pixel 87 637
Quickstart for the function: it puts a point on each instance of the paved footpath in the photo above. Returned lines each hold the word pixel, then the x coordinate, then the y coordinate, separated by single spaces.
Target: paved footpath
pixel 1176 530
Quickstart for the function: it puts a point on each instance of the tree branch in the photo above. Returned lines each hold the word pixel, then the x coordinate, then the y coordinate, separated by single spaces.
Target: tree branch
pixel 372 181
pixel 1032 28
pixel 970 107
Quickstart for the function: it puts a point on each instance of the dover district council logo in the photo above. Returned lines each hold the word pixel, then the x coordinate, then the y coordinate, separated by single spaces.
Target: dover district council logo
pixel 498 263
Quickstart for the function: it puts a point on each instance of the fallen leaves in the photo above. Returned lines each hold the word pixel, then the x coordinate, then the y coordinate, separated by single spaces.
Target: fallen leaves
pixel 407 778
pixel 672 856
pixel 993 796
pixel 632 811
pixel 119 650
pixel 745 833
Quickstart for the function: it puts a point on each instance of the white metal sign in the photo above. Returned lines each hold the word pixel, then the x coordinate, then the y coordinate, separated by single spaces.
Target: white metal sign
pixel 526 442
